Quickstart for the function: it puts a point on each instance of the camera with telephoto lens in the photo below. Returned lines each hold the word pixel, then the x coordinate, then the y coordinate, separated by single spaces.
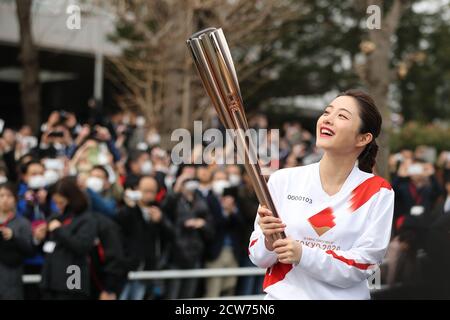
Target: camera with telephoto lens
pixel 415 169
pixel 56 134
pixel 93 135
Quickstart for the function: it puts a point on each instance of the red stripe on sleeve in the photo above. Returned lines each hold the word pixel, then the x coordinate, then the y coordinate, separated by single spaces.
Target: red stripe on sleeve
pixel 251 244
pixel 350 262
pixel 362 193
pixel 276 273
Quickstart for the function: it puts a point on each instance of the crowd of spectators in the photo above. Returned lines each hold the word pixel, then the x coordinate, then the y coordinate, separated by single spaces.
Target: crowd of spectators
pixel 104 196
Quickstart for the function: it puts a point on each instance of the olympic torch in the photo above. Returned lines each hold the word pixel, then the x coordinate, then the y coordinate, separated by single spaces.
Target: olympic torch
pixel 214 63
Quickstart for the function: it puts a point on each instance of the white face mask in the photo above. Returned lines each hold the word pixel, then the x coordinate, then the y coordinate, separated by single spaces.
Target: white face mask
pixel 191 185
pixel 142 146
pixel 235 179
pixel 95 184
pixel 140 121
pixel 219 186
pixel 3 179
pixel 51 176
pixel 133 195
pixel 154 139
pixel 146 167
pixel 37 182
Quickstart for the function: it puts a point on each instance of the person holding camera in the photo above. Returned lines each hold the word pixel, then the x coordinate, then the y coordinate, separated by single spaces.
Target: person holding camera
pixel 15 245
pixel 144 223
pixel 55 136
pixel 138 163
pixel 98 135
pixel 224 248
pixel 193 224
pixel 34 203
pixel 416 189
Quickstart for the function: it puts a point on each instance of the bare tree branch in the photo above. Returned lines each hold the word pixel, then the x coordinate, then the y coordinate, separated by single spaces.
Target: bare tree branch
pixel 156 69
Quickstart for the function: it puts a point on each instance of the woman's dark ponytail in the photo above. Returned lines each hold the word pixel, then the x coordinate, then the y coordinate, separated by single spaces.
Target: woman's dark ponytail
pixel 370 123
pixel 366 160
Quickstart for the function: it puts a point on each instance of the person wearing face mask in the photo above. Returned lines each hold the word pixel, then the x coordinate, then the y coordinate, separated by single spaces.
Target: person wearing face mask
pixel 192 219
pixel 68 241
pixel 153 137
pixel 31 187
pixel 211 192
pixel 417 190
pixel 35 205
pixel 54 169
pixel 147 233
pixel 108 269
pixel 146 167
pixel 98 190
pixel 161 161
pixel 234 174
pixel 15 245
pixel 248 205
pixel 32 192
pixel 137 164
pixel 224 248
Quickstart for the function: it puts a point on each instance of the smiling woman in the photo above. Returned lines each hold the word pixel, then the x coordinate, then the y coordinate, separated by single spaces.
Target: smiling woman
pixel 336 240
pixel 355 115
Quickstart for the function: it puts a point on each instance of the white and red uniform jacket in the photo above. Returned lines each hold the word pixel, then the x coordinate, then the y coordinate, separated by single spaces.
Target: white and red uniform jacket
pixel 344 237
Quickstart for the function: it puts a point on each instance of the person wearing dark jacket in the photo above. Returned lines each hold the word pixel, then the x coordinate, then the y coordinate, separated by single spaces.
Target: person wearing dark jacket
pixel 70 238
pixel 416 190
pixel 109 268
pixel 15 245
pixel 35 205
pixel 248 206
pixel 224 248
pixel 147 236
pixel 192 220
pixel 442 206
pixel 437 248
pixel 138 163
